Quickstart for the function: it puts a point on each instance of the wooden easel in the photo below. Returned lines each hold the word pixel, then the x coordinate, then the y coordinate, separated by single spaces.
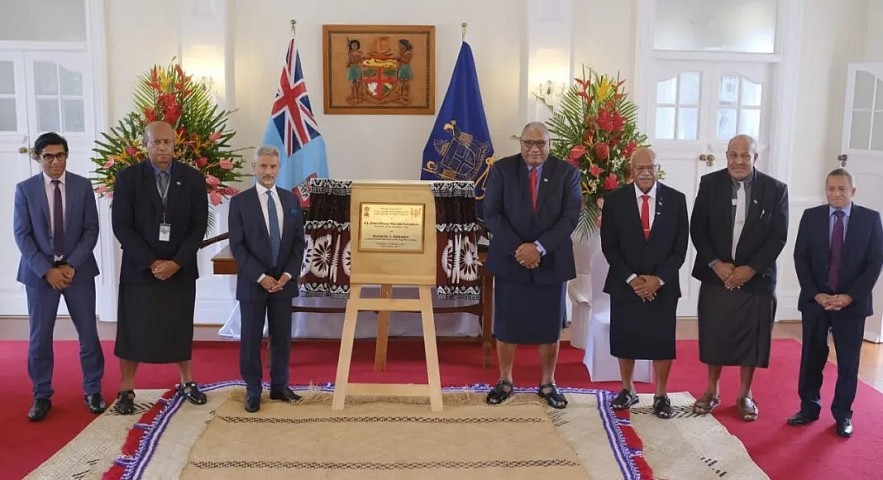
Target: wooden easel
pixel 389 268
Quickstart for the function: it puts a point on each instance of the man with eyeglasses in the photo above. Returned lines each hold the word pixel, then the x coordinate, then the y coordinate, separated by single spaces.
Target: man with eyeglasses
pixel 644 238
pixel 159 216
pixel 531 206
pixel 56 229
pixel 739 227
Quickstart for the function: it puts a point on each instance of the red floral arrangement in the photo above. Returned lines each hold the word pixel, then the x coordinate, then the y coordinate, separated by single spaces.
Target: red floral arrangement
pixel 594 129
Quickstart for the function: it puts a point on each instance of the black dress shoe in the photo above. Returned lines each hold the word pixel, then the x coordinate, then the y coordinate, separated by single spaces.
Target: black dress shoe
pixel 125 404
pixel 802 418
pixel 95 403
pixel 284 394
pixel 39 409
pixel 844 427
pixel 191 391
pixel 624 399
pixel 253 403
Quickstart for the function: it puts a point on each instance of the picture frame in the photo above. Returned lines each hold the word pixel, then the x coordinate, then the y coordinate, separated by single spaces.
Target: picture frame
pixel 379 69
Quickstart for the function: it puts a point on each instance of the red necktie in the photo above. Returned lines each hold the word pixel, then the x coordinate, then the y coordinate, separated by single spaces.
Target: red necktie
pixel 533 188
pixel 645 215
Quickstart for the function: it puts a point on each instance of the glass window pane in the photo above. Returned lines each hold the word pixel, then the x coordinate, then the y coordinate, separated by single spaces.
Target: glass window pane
pixel 665 123
pixel 47 116
pixel 860 130
pixel 726 123
pixel 729 91
pixel 7 78
pixel 43 20
pixel 7 115
pixel 751 93
pixel 719 26
pixel 71 82
pixel 74 116
pixel 666 92
pixel 689 93
pixel 688 123
pixel 877 134
pixel 749 122
pixel 45 78
pixel 864 91
pixel 878 104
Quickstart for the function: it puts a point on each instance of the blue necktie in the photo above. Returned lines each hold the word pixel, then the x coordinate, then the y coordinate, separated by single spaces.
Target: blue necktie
pixel 836 251
pixel 275 234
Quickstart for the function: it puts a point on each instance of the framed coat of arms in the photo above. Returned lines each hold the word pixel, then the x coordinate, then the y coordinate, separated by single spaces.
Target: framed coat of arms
pixel 373 69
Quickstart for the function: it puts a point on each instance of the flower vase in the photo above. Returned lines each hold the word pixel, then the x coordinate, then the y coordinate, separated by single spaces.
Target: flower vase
pixel 586 291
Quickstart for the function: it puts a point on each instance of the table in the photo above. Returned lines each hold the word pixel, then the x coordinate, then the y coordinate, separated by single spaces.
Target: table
pixel 223 264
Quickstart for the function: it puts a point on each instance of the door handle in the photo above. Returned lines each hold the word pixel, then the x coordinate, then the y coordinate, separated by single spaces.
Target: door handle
pixel 842 159
pixel 707 158
pixel 22 149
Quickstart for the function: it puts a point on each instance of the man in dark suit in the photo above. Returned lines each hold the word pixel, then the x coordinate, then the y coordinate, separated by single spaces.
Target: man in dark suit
pixel 160 214
pixel 835 294
pixel 267 240
pixel 56 229
pixel 531 206
pixel 739 227
pixel 644 235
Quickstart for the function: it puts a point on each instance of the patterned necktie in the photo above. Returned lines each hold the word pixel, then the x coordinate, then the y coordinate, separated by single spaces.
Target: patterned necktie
pixel 58 220
pixel 645 215
pixel 533 188
pixel 739 218
pixel 275 233
pixel 163 184
pixel 836 251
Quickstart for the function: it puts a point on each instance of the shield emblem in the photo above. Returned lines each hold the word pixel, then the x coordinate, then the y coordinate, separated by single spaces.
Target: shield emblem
pixel 380 76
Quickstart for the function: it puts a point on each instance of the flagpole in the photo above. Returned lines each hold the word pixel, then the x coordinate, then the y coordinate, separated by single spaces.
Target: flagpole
pixel 463 35
pixel 293 24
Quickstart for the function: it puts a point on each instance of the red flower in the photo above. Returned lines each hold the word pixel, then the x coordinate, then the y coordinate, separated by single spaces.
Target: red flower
pixel 215 136
pixel 617 122
pixel 131 151
pixel 215 197
pixel 602 151
pixel 212 181
pixel 149 115
pixel 605 120
pixel 630 149
pixel 611 182
pixel 226 164
pixel 596 171
pixel 201 162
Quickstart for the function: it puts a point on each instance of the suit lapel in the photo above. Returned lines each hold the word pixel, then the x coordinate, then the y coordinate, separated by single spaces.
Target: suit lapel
pixel 755 203
pixel 854 223
pixel 659 218
pixel 148 179
pixel 262 222
pixel 39 189
pixel 543 184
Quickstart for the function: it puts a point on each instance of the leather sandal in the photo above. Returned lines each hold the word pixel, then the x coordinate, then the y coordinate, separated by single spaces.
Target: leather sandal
pixel 191 392
pixel 501 391
pixel 747 408
pixel 553 397
pixel 705 404
pixel 125 404
pixel 662 407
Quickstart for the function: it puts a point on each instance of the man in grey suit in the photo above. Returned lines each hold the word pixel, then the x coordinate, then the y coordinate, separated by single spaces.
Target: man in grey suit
pixel 56 229
pixel 267 240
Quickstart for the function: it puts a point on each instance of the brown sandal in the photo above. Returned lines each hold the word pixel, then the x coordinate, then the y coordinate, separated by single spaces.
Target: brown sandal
pixel 705 404
pixel 747 408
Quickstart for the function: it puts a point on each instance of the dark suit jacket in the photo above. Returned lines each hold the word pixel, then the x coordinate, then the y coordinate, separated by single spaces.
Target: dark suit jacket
pixel 33 229
pixel 628 252
pixel 250 243
pixel 763 236
pixel 138 211
pixel 860 266
pixel 510 218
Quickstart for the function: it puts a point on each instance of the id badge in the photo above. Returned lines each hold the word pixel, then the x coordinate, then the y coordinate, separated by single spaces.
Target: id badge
pixel 165 231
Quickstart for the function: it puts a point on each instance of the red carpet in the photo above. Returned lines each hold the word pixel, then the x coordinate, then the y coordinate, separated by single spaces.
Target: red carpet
pixel 813 452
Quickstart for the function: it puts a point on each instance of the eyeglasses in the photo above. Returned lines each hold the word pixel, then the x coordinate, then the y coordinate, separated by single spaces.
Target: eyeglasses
pixel 733 156
pixel 648 168
pixel 528 144
pixel 49 157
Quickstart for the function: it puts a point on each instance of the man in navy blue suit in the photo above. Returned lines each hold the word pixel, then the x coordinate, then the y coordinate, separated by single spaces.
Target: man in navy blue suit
pixel 835 294
pixel 531 206
pixel 644 237
pixel 56 229
pixel 267 240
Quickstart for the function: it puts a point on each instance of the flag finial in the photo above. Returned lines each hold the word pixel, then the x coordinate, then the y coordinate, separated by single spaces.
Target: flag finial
pixel 463 36
pixel 293 24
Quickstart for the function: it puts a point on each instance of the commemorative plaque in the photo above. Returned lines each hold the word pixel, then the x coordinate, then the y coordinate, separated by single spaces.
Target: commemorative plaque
pixel 391 227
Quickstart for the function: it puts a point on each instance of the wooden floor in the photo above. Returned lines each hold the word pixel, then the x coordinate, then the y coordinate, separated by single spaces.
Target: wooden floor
pixel 870 370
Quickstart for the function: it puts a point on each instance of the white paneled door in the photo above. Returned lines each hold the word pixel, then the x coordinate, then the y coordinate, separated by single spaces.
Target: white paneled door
pixel 863 150
pixel 40 91
pixel 695 107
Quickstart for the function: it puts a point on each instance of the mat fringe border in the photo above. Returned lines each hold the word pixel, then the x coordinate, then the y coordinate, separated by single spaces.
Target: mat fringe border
pixel 145 435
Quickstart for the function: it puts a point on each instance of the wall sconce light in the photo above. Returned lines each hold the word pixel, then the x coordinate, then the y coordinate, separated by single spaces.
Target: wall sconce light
pixel 549 93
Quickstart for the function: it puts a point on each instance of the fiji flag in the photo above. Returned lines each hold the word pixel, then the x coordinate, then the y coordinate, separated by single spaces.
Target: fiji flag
pixel 459 147
pixel 293 130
